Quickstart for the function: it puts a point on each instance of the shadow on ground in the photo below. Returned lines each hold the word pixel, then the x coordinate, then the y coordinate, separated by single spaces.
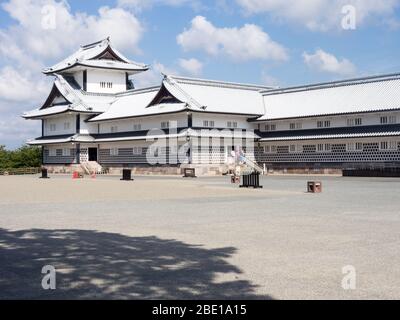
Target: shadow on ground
pixel 95 265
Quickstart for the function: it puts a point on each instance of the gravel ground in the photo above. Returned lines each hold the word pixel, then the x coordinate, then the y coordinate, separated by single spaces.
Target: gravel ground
pixel 168 237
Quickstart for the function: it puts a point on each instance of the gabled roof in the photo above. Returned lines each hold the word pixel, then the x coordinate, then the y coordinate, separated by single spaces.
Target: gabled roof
pixel 97 55
pixel 186 94
pixel 133 103
pixel 379 93
pixel 76 100
pixel 216 96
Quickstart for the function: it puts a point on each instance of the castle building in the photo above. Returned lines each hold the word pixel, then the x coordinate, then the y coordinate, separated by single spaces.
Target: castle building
pixel 94 115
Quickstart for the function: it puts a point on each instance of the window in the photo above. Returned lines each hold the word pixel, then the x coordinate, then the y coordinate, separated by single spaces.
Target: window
pixel 267 127
pixel 108 85
pixel 384 145
pixel 208 124
pixel 384 120
pixel 114 152
pixel 53 127
pixel 165 125
pixel 137 150
pixel 328 147
pixel 355 146
pixel 392 119
pixel 354 122
pixel 137 127
pixel 324 124
pixel 274 149
pixel 267 149
pixel 388 145
pixel 351 146
pixel 292 148
pixel 273 127
pixel 114 129
pixel 294 126
pixel 320 147
pixel 67 125
pixel 52 152
pixel 231 124
pixel 66 152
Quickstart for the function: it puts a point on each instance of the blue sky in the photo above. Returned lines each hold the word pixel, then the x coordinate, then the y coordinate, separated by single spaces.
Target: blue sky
pixel 271 42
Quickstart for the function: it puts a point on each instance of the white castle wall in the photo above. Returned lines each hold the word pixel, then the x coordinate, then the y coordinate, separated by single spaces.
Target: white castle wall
pixel 95 77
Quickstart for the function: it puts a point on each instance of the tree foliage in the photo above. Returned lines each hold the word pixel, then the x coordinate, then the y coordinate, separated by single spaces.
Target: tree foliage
pixel 24 157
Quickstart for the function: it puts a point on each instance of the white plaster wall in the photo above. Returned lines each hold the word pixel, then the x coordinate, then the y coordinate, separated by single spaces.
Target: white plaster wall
pixel 94 77
pixel 87 127
pixel 59 122
pixel 221 120
pixel 331 141
pixel 146 123
pixel 336 121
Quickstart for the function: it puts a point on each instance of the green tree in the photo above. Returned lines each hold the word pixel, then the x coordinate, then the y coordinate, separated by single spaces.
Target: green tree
pixel 23 157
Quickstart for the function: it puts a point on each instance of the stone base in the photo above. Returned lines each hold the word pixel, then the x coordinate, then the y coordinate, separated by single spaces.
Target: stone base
pixel 201 170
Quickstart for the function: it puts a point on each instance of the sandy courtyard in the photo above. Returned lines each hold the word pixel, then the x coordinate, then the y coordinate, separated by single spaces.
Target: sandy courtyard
pixel 199 238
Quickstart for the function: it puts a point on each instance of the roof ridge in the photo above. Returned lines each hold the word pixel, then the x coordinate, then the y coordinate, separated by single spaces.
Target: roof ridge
pixel 190 100
pixel 137 91
pixel 90 45
pixel 222 83
pixel 333 84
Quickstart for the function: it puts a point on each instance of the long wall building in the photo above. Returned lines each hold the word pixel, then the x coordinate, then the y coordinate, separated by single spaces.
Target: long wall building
pixel 94 116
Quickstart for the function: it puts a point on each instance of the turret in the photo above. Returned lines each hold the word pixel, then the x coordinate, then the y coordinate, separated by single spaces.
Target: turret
pixel 98 68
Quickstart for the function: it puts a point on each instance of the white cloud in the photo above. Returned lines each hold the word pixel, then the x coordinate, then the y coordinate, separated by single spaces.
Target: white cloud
pixel 154 76
pixel 26 47
pixel 192 66
pixel 15 86
pixel 321 15
pixel 325 62
pixel 240 44
pixel 70 30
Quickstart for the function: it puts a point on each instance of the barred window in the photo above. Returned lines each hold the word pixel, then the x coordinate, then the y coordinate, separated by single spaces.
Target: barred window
pixel 137 150
pixel 66 152
pixel 165 125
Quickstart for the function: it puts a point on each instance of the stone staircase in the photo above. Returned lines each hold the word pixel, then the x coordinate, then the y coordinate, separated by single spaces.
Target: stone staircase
pixel 91 167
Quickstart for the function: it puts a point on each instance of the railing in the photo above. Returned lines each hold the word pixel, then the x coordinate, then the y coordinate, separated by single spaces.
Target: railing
pixel 19 171
pixel 253 165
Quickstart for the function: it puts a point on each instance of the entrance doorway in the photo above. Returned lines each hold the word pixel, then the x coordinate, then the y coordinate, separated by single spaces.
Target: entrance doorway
pixel 92 154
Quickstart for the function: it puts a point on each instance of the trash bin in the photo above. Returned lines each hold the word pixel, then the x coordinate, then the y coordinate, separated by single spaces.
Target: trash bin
pixel 44 174
pixel 126 175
